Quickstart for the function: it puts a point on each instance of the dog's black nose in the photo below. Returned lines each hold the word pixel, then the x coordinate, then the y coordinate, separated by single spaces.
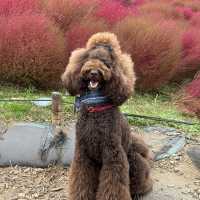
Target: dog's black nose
pixel 94 73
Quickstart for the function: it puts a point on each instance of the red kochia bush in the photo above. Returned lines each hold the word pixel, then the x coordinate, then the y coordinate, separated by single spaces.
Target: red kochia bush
pixel 155 49
pixel 132 2
pixel 161 9
pixel 32 51
pixel 112 11
pixel 80 32
pixel 191 99
pixel 190 62
pixel 193 88
pixel 66 12
pixel 193 4
pixel 18 7
pixel 195 21
pixel 186 12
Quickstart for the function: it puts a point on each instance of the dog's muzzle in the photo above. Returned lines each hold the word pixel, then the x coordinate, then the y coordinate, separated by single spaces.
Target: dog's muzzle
pixel 94 67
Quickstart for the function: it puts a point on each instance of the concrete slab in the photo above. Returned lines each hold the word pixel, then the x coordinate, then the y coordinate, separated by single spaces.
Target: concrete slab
pixel 25 144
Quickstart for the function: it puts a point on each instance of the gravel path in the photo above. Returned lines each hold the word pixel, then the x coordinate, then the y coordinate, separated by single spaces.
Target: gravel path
pixel 20 183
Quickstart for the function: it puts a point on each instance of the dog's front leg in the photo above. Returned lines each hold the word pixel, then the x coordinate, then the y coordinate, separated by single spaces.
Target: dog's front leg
pixel 114 175
pixel 83 179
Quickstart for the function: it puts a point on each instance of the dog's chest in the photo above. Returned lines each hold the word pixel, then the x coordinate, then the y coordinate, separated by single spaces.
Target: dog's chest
pixel 94 139
pixel 92 135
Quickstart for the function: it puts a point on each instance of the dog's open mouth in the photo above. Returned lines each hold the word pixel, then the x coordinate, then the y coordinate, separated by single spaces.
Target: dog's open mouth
pixel 93 84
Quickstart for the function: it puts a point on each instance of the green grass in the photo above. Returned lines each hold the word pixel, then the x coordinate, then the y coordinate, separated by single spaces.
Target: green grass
pixel 159 106
pixel 27 111
pixel 149 104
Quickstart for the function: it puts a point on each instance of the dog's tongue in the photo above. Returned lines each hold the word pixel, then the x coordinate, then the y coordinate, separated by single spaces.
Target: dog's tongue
pixel 93 84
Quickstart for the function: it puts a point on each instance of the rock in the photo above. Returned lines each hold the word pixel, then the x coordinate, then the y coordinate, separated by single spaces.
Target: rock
pixel 30 144
pixel 172 146
pixel 194 154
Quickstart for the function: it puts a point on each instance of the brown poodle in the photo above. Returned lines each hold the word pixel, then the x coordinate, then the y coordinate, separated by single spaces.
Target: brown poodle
pixel 110 163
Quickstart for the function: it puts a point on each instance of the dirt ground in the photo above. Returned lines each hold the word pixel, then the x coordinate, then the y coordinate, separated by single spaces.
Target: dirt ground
pixel 174 178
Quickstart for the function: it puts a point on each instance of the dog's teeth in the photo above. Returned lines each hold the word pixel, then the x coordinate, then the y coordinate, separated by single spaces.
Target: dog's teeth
pixel 93 84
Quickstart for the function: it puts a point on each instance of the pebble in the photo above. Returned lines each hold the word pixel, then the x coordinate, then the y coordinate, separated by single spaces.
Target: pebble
pixel 197 191
pixel 195 195
pixel 21 195
pixel 197 183
pixel 27 170
pixel 184 192
pixel 14 198
pixel 177 158
pixel 170 185
pixel 180 173
pixel 56 189
pixel 172 162
pixel 176 170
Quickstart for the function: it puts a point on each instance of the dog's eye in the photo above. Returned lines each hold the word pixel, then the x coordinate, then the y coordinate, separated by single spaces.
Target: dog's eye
pixel 108 64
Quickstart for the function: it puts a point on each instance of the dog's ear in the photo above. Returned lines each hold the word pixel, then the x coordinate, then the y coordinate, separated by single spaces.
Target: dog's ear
pixel 70 77
pixel 121 85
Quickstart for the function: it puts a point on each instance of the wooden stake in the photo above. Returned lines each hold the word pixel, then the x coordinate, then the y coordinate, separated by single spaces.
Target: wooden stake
pixel 56 109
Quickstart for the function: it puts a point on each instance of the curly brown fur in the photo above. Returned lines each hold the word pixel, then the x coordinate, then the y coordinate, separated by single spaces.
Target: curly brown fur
pixel 110 162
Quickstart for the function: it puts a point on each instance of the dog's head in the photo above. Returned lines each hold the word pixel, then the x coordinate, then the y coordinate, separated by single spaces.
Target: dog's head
pixel 101 65
pixel 97 68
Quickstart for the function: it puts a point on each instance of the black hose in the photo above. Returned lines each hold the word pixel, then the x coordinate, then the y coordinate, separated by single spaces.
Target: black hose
pixel 159 119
